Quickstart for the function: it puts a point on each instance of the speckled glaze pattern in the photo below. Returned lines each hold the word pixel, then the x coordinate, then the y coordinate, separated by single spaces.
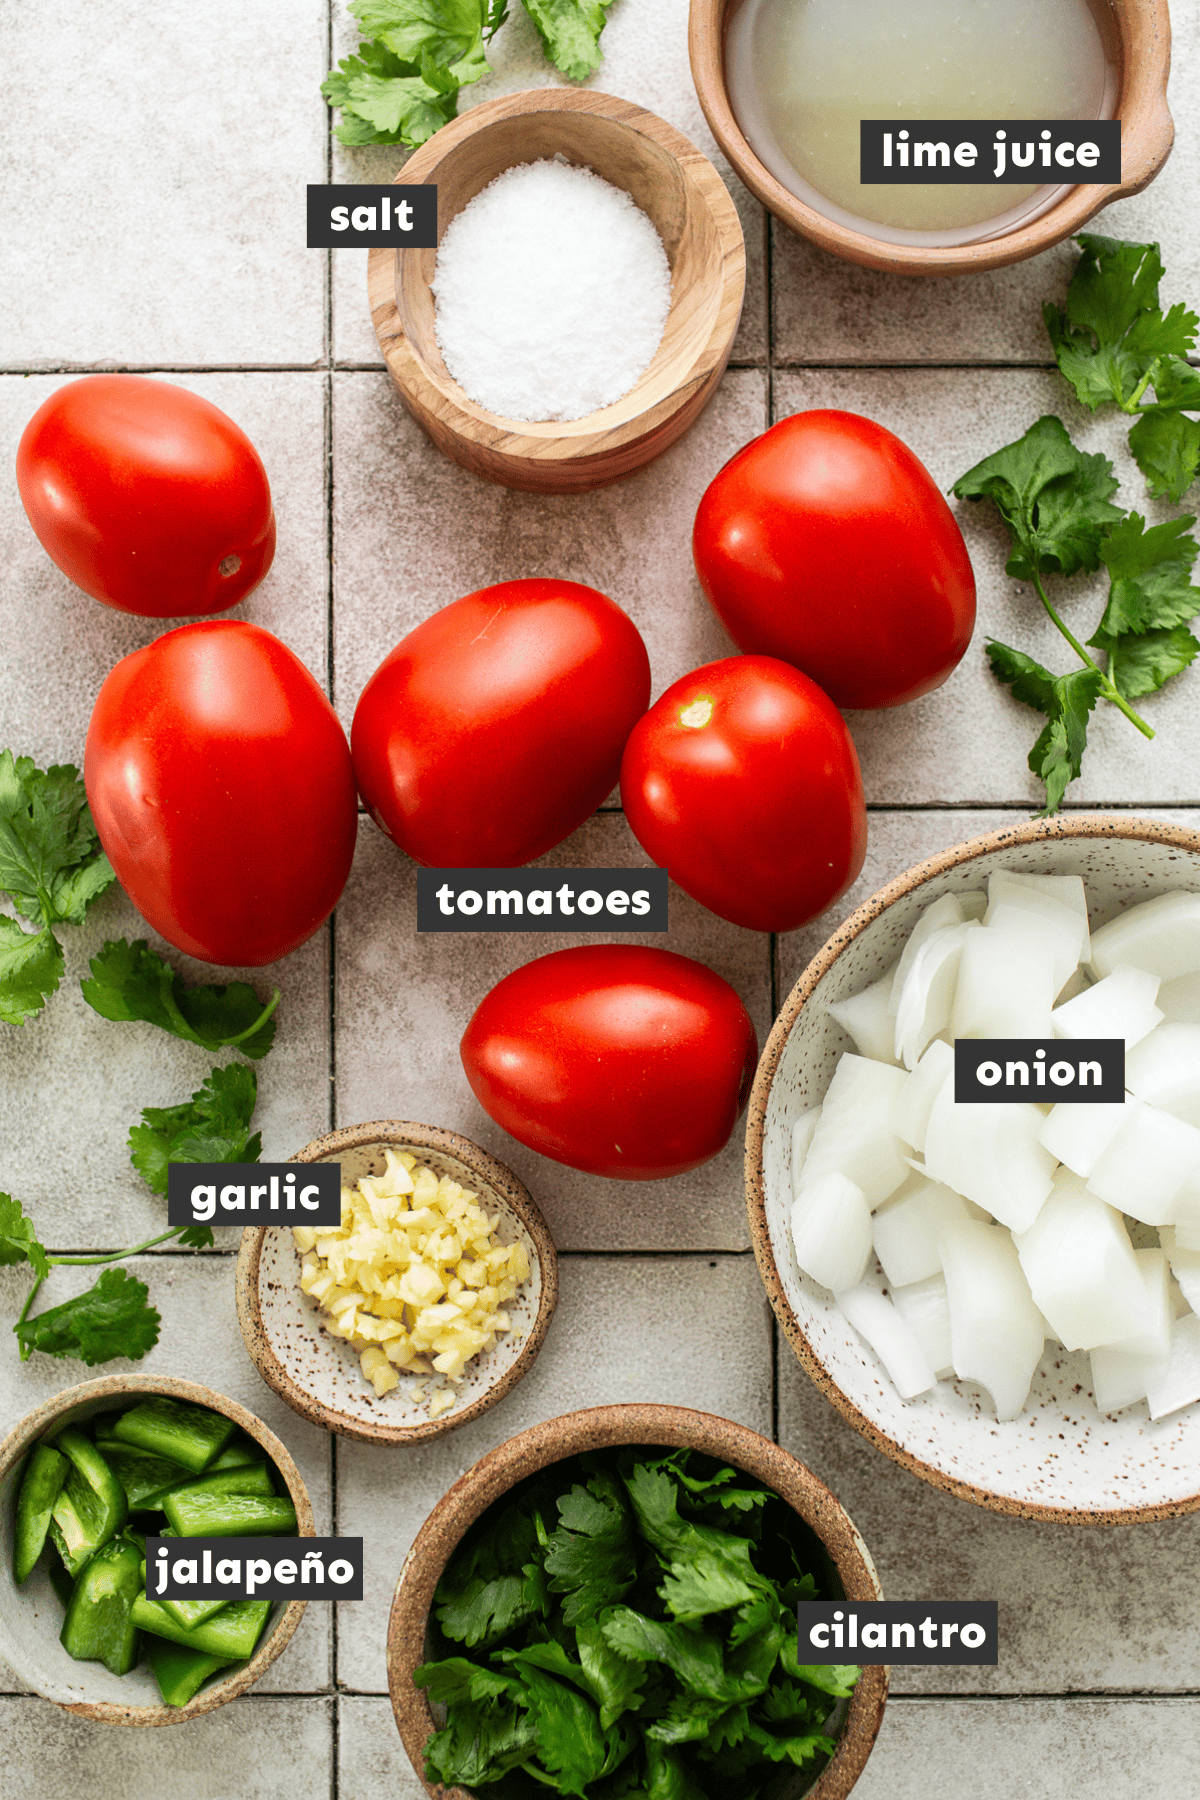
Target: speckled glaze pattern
pixel 319 1375
pixel 598 1428
pixel 31 1615
pixel 1060 1460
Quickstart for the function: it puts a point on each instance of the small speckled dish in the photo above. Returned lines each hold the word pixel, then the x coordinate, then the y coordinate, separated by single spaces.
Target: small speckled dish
pixel 31 1616
pixel 1061 1460
pixel 319 1375
pixel 847 1569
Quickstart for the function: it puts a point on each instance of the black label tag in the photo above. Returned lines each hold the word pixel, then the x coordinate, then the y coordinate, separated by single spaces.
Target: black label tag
pixel 600 900
pixel 896 1631
pixel 254 1193
pixel 1006 1071
pixel 358 215
pixel 254 1568
pixel 990 152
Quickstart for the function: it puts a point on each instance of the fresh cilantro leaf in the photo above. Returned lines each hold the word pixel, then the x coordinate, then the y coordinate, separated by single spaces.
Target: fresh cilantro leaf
pixel 1142 663
pixel 403 84
pixel 197 1237
pixel 481 1741
pixel 1149 569
pixel 1111 331
pixel 31 966
pixel 212 1127
pixel 1066 700
pixel 668 1776
pixel 404 109
pixel 448 33
pixel 483 1611
pixel 113 1318
pixel 837 1679
pixel 570 32
pixel 1053 498
pixel 708 1570
pixel 51 863
pixel 17 1241
pixel 590 1557
pixel 129 982
pixel 456 1679
pixel 615 1682
pixel 794 1748
pixel 1166 448
pixel 570 1743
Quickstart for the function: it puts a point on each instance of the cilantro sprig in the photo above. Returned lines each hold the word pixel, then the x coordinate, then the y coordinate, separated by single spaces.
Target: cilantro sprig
pixel 416 55
pixel 212 1127
pixel 51 868
pixel 624 1626
pixel 132 982
pixel 1113 343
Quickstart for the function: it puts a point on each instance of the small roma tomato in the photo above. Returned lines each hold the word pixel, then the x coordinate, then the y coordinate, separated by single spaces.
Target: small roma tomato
pixel 743 782
pixel 496 727
pixel 220 783
pixel 826 542
pixel 623 1061
pixel 151 499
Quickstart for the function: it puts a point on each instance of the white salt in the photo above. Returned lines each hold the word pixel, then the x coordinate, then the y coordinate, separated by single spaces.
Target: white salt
pixel 552 291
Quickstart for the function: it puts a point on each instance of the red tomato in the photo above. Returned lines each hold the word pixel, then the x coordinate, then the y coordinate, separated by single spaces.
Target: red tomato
pixel 615 1059
pixel 743 782
pixel 147 496
pixel 826 543
pixel 494 729
pixel 220 782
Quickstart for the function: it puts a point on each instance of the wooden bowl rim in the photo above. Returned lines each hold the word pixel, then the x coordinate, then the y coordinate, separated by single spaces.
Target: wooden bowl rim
pixel 1032 831
pixel 33 1426
pixel 629 1423
pixel 1147 134
pixel 557 440
pixel 409 1135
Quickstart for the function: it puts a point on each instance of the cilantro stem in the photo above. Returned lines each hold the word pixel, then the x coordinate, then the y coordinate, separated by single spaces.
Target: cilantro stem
pixel 233 1042
pixel 113 1256
pixel 30 1297
pixel 1131 405
pixel 1111 692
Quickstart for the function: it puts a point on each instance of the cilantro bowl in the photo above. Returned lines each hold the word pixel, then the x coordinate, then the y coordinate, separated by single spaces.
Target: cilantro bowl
pixel 31 1615
pixel 1060 1459
pixel 645 1630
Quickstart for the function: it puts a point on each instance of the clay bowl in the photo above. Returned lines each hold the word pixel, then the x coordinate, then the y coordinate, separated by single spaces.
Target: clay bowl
pixel 696 219
pixel 1139 43
pixel 849 1572
pixel 1061 1460
pixel 319 1375
pixel 31 1615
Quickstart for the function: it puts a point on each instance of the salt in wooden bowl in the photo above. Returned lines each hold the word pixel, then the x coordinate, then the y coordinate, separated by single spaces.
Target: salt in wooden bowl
pixel 319 1375
pixel 1061 1460
pixel 601 1427
pixel 688 203
pixel 31 1614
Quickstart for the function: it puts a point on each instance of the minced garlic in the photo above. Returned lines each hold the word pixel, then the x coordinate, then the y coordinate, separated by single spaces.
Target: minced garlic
pixel 414 1278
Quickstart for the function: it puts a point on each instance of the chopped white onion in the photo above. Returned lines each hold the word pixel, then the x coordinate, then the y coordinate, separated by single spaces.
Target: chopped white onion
pixel 831 1232
pixel 1176 1381
pixel 926 1311
pixel 1165 1069
pixel 891 1338
pixel 1078 1134
pixel 1185 1266
pixel 927 996
pixel 1180 1000
pixel 868 1019
pixel 1160 935
pixel 1120 1006
pixel 940 913
pixel 802 1136
pixel 915 1099
pixel 996 1332
pixel 907 1231
pixel 1146 1164
pixel 1082 1271
pixel 1006 985
pixel 991 1154
pixel 855 1136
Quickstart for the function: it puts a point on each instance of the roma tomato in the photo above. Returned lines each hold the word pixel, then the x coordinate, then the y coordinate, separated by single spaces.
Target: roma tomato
pixel 743 781
pixel 619 1060
pixel 220 782
pixel 826 543
pixel 147 496
pixel 494 729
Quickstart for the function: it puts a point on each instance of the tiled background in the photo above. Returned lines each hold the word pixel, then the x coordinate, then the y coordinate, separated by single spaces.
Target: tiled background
pixel 154 221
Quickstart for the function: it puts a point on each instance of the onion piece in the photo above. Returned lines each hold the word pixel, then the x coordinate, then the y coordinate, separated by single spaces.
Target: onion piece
pixel 1160 935
pixel 1082 1270
pixel 927 996
pixel 926 1311
pixel 1078 1134
pixel 996 1332
pixel 1185 1266
pixel 1119 1377
pixel 1006 985
pixel 831 1232
pixel 907 1231
pixel 868 1019
pixel 1165 1069
pixel 1175 1382
pixel 914 1102
pixel 936 916
pixel 1146 1164
pixel 802 1137
pixel 854 1135
pixel 891 1338
pixel 1055 927
pixel 1180 1000
pixel 1119 1006
pixel 1066 891
pixel 974 904
pixel 990 1154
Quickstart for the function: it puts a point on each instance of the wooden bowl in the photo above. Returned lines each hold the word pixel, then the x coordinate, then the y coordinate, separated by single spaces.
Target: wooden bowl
pixel 31 1615
pixel 318 1375
pixel 600 1427
pixel 1060 1460
pixel 1141 35
pixel 688 203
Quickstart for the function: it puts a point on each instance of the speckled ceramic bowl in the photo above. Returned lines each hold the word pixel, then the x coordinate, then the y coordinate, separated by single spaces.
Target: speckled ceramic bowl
pixel 849 1573
pixel 31 1615
pixel 1060 1460
pixel 319 1375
